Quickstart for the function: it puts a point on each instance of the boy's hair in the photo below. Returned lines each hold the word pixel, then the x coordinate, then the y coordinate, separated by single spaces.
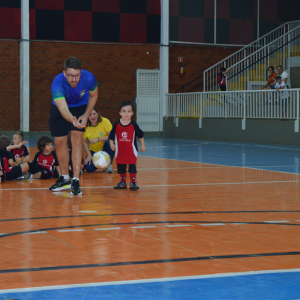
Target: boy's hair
pixel 99 118
pixel 42 142
pixel 271 67
pixel 69 143
pixel 126 103
pixel 20 134
pixel 72 63
pixel 223 69
pixel 4 141
pixel 278 77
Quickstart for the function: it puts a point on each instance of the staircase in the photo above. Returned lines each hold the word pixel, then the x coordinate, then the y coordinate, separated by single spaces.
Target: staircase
pixel 249 65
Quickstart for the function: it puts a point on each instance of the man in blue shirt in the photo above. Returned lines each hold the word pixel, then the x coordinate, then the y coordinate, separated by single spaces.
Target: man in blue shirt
pixel 74 95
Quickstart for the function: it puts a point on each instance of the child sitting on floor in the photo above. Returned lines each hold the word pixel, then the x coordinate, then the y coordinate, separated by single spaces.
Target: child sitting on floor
pixel 21 154
pixel 7 172
pixel 45 163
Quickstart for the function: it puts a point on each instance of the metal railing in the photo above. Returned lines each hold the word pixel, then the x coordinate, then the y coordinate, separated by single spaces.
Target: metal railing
pixel 258 104
pixel 256 53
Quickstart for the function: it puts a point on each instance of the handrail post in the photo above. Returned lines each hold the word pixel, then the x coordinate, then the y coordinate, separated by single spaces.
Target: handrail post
pixel 297 120
pixel 204 81
pixel 244 119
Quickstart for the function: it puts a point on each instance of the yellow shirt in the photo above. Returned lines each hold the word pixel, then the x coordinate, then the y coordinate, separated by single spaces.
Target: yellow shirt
pixel 98 131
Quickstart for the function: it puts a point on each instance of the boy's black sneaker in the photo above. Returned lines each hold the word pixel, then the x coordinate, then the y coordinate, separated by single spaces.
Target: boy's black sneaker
pixel 60 184
pixel 133 186
pixel 25 176
pixel 75 189
pixel 120 186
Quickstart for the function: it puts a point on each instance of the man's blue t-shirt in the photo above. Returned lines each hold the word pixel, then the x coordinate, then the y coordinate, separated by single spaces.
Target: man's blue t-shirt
pixel 74 96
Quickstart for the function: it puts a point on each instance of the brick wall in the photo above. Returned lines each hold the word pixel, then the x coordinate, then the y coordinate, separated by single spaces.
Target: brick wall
pixel 9 85
pixel 196 59
pixel 113 65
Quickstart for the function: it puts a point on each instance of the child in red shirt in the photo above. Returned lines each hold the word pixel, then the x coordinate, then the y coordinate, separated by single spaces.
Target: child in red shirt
pixel 124 134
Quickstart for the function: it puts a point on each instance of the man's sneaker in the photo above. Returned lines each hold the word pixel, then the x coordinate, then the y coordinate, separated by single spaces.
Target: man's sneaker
pixel 60 184
pixel 110 169
pixel 120 186
pixel 133 186
pixel 25 176
pixel 75 189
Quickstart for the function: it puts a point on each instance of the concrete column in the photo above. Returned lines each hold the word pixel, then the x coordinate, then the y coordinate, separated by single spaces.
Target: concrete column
pixel 24 67
pixel 215 21
pixel 258 17
pixel 164 59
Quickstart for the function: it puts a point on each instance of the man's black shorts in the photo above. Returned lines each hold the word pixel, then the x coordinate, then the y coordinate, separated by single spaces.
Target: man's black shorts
pixel 59 126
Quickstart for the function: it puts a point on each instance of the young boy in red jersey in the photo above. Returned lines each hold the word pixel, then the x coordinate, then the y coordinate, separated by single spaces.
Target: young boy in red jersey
pixel 21 155
pixel 45 163
pixel 7 172
pixel 124 133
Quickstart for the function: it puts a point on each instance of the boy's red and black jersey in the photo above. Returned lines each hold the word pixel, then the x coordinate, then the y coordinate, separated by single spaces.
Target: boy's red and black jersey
pixel 18 153
pixel 125 137
pixel 5 156
pixel 46 161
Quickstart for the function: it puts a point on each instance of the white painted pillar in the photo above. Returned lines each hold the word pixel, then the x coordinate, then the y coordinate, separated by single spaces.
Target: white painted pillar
pixel 24 67
pixel 215 21
pixel 258 17
pixel 164 59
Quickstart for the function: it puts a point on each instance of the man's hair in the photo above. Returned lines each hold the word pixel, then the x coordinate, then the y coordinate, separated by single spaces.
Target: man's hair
pixel 72 63
pixel 4 141
pixel 42 142
pixel 20 134
pixel 69 142
pixel 88 124
pixel 126 103
pixel 223 69
pixel 280 66
pixel 271 67
pixel 278 77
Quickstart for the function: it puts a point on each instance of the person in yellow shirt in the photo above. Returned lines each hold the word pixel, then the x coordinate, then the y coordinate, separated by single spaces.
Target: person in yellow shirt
pixel 97 132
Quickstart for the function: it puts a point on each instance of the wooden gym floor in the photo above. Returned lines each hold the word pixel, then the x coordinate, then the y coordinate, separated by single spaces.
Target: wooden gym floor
pixel 212 220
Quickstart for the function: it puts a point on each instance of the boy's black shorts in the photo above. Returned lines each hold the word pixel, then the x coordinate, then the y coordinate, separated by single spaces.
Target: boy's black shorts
pixel 14 173
pixel 59 126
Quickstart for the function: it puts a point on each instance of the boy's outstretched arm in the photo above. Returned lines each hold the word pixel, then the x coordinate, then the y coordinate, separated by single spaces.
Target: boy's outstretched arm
pixel 143 147
pixel 11 147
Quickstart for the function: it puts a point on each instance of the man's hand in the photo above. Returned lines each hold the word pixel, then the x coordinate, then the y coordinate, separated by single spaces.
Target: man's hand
pixel 77 124
pixel 83 120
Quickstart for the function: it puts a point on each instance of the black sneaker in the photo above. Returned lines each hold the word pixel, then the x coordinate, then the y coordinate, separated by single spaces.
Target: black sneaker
pixel 75 189
pixel 120 186
pixel 60 184
pixel 25 176
pixel 133 186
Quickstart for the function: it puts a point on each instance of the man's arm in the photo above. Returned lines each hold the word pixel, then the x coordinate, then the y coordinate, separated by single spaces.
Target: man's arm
pixel 65 112
pixel 90 106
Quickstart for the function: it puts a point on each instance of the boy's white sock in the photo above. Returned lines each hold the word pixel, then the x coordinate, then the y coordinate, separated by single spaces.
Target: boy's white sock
pixel 66 177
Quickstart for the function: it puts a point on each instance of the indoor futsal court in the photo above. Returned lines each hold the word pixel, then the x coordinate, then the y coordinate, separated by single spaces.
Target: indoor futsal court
pixel 219 223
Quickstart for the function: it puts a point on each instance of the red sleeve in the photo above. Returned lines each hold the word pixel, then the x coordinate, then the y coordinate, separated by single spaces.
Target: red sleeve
pixel 219 79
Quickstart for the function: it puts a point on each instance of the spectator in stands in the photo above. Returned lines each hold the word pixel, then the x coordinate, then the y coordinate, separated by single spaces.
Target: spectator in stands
pixel 281 88
pixel 271 79
pixel 97 132
pixel 284 75
pixel 222 79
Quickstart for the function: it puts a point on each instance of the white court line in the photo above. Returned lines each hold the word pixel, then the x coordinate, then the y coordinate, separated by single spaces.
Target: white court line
pixel 111 228
pixel 70 230
pixel 239 223
pixel 212 224
pixel 276 221
pixel 220 275
pixel 297 220
pixel 169 185
pixel 87 211
pixel 180 225
pixel 2 233
pixel 144 227
pixel 36 232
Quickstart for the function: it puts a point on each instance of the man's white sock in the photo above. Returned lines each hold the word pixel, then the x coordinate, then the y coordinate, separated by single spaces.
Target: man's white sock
pixel 66 177
pixel 74 178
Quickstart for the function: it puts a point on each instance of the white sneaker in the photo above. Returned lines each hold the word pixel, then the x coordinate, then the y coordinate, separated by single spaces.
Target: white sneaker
pixel 109 170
